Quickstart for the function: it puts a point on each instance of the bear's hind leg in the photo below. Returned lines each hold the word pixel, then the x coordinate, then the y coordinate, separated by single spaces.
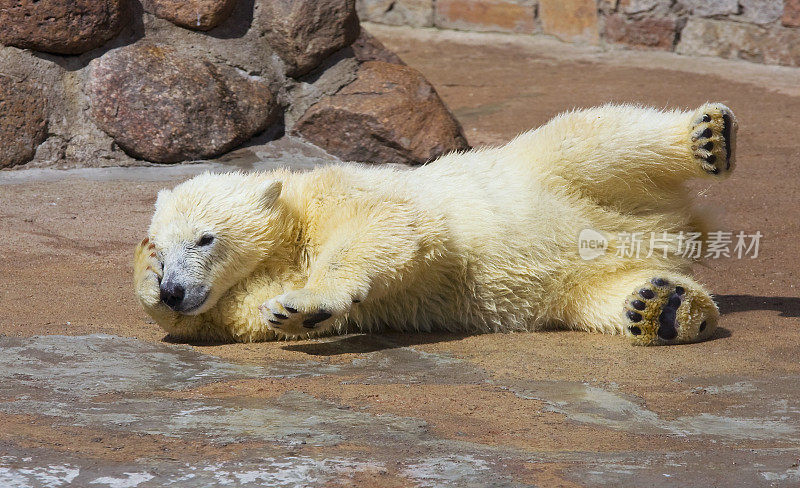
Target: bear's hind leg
pixel 631 157
pixel 651 307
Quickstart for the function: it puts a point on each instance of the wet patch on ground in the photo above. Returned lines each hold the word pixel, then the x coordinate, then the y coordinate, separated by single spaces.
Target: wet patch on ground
pixel 295 437
pixel 752 418
pixel 23 469
pixel 114 383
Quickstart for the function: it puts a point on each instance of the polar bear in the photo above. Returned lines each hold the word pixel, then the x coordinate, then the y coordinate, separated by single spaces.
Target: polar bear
pixel 480 241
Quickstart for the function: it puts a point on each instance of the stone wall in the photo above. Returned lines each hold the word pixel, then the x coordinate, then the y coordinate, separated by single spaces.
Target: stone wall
pixel 763 31
pixel 119 82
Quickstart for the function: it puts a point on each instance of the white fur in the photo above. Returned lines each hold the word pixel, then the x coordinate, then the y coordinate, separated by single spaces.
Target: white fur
pixel 482 241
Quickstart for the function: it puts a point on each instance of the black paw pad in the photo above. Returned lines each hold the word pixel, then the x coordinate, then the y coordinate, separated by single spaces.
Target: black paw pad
pixel 674 301
pixel 638 305
pixel 726 134
pixel 647 293
pixel 660 282
pixel 635 330
pixel 634 316
pixel 667 321
pixel 316 318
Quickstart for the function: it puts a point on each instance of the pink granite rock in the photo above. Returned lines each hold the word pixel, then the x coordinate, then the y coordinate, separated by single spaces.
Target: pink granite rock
pixel 165 107
pixel 305 32
pixel 389 114
pixel 61 26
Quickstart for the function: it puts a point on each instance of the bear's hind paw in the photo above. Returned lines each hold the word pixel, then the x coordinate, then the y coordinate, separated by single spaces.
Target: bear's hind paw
pixel 663 311
pixel 713 138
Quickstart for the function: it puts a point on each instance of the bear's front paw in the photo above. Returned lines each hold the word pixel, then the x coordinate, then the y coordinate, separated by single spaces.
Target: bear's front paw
pixel 298 313
pixel 147 273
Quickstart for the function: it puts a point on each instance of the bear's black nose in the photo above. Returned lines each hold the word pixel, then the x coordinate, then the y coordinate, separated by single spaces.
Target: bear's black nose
pixel 172 294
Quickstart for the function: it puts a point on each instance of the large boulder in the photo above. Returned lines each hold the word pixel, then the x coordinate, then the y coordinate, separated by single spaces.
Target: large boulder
pixel 198 14
pixel 61 26
pixel 23 121
pixel 305 32
pixel 389 114
pixel 165 106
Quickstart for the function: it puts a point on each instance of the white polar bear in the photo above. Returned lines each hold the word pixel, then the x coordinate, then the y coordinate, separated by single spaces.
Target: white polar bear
pixel 482 241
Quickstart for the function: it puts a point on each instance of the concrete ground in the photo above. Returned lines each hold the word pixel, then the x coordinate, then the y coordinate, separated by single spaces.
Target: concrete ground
pixel 91 395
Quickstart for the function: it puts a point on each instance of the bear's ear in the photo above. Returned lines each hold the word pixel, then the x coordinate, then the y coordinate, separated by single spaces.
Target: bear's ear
pixel 162 195
pixel 270 191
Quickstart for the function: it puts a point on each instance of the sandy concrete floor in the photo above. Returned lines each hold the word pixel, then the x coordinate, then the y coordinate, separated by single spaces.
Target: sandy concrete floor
pixel 90 395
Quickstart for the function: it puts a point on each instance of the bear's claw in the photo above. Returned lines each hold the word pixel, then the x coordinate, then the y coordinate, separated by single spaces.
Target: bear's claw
pixel 713 138
pixel 146 257
pixel 664 312
pixel 148 270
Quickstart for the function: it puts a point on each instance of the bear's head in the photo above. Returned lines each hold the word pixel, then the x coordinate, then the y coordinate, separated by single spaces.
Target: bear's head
pixel 210 232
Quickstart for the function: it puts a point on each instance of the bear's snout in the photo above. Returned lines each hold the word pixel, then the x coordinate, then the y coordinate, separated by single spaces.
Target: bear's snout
pixel 172 294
